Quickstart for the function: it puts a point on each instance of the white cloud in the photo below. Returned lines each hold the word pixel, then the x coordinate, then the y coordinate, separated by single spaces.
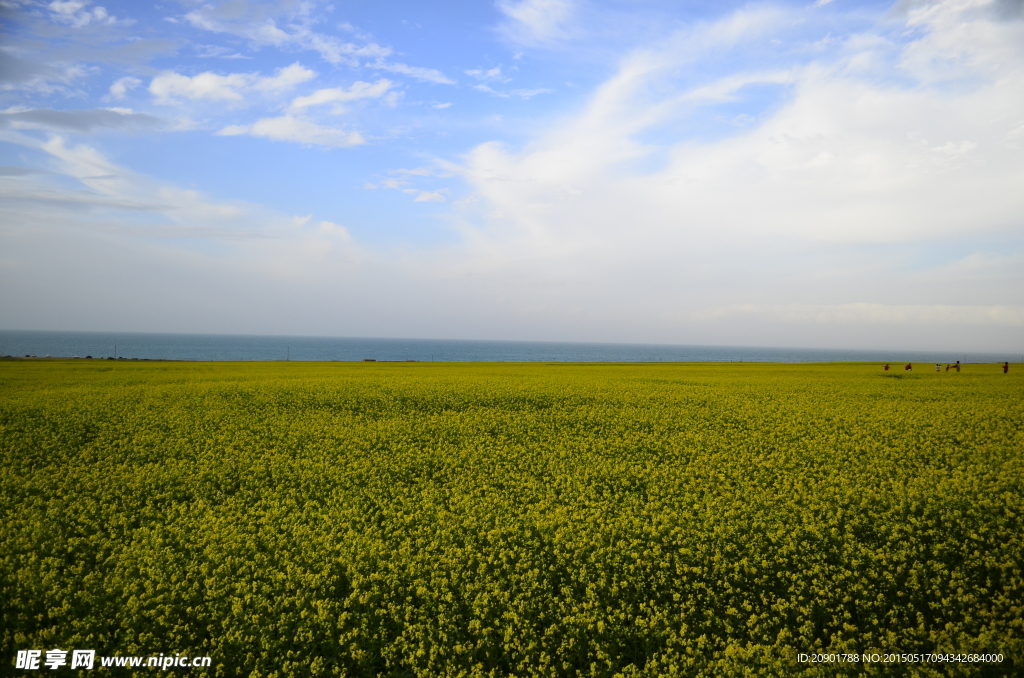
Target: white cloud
pixel 425 74
pixel 109 186
pixel 962 39
pixel 285 78
pixel 298 130
pixel 169 87
pixel 536 20
pixel 333 229
pixel 448 104
pixel 263 29
pixel 119 193
pixel 512 93
pixel 17 73
pixel 492 74
pixel 421 172
pixel 421 195
pixel 845 157
pixel 495 75
pixel 218 51
pixel 358 90
pixel 122 86
pixel 77 14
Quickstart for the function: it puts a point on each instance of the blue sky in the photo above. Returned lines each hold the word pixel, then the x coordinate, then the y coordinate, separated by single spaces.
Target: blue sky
pixel 836 174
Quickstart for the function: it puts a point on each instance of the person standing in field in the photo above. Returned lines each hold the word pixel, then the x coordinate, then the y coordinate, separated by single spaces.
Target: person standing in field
pixel 1006 367
pixel 957 365
pixel 909 367
pixel 886 368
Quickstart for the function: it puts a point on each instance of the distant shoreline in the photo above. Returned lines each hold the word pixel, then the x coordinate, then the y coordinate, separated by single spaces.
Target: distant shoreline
pixel 102 345
pixel 896 365
pixel 90 358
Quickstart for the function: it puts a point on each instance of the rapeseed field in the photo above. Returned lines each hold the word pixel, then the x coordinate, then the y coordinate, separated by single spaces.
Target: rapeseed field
pixel 418 519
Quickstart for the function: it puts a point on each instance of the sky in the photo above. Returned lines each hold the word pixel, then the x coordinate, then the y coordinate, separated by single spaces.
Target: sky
pixel 831 174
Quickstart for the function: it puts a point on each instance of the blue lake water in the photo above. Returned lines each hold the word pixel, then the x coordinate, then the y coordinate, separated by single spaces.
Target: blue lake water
pixel 249 347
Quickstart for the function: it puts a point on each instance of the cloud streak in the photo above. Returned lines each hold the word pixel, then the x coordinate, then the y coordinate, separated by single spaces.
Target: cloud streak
pixel 170 87
pixel 298 130
pixel 358 90
pixel 79 121
pixel 425 74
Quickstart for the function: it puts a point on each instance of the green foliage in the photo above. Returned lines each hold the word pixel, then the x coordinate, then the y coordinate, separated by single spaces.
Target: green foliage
pixel 307 519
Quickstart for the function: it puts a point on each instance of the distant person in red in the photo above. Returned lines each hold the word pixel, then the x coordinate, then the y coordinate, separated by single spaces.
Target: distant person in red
pixel 887 367
pixel 909 367
pixel 1006 367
